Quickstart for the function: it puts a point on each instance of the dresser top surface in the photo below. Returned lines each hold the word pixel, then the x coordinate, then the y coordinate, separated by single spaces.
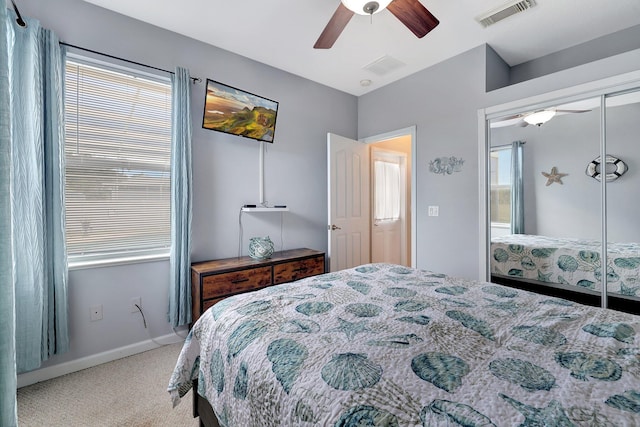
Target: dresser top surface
pixel 246 261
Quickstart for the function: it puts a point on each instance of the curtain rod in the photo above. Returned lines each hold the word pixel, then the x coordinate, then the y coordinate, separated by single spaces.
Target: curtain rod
pixel 195 79
pixel 505 145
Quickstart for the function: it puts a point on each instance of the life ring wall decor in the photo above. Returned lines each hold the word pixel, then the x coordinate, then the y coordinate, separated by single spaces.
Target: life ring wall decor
pixel 595 168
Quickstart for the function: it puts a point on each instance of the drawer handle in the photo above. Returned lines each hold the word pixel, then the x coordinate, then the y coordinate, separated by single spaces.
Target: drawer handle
pixel 239 281
pixel 301 269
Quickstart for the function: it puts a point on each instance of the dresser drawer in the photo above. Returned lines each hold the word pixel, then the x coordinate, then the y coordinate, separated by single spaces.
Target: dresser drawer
pixel 294 270
pixel 215 280
pixel 224 284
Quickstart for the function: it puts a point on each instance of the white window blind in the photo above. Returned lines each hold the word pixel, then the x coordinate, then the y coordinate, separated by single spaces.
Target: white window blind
pixel 387 190
pixel 117 152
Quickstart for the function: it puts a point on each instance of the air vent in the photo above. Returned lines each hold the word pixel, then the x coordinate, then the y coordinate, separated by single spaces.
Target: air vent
pixel 384 65
pixel 505 11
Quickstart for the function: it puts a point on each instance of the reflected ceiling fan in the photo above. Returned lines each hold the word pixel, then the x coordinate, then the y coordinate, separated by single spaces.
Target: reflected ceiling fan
pixel 538 117
pixel 410 12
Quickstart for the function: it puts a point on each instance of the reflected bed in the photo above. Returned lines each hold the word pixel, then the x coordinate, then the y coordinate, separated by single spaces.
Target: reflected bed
pixel 385 345
pixel 566 261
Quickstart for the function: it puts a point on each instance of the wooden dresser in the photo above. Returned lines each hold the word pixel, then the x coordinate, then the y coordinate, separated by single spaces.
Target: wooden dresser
pixel 212 281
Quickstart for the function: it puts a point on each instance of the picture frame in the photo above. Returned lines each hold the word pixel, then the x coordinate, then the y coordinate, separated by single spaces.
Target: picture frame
pixel 234 111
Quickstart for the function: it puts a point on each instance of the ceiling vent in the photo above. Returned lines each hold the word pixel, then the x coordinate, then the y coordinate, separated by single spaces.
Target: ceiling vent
pixel 384 65
pixel 505 11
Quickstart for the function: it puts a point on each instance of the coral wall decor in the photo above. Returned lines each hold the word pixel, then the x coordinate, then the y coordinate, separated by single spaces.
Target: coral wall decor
pixel 446 165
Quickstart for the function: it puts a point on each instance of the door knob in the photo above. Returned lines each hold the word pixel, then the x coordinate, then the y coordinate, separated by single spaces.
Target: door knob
pixel 335 227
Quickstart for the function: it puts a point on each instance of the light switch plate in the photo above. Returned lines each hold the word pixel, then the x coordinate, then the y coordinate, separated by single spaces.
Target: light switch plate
pixel 434 210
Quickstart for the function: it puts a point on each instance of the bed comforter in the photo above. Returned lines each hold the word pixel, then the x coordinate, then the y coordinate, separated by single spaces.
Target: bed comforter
pixel 574 262
pixel 385 345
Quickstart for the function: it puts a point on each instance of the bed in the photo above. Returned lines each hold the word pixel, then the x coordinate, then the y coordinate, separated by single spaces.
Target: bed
pixel 385 345
pixel 575 263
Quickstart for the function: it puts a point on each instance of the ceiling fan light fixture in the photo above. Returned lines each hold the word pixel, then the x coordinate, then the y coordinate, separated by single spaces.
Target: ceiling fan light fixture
pixel 539 117
pixel 366 7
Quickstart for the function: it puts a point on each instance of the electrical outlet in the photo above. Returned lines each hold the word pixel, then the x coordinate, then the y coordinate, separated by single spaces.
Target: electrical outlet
pixel 96 312
pixel 134 301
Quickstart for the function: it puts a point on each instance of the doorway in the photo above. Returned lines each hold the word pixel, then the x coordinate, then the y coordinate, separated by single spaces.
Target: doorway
pixel 350 230
pixel 390 201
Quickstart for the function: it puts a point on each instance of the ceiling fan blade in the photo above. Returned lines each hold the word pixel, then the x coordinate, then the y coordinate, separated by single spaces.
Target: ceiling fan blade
pixel 572 111
pixel 414 16
pixel 334 27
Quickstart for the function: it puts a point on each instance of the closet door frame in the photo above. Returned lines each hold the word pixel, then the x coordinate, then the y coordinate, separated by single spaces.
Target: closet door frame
pixel 603 89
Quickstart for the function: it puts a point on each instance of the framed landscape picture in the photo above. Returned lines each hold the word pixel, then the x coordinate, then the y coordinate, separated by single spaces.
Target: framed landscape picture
pixel 231 110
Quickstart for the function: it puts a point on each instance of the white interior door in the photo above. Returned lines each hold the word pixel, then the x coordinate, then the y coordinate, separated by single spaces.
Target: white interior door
pixel 348 200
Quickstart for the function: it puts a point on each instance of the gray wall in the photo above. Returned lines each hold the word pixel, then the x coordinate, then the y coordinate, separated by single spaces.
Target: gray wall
pixel 225 168
pixel 498 73
pixel 623 203
pixel 442 102
pixel 603 47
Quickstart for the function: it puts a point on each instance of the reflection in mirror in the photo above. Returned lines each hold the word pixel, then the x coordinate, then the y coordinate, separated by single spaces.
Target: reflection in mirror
pixel 546 201
pixel 545 212
pixel 623 203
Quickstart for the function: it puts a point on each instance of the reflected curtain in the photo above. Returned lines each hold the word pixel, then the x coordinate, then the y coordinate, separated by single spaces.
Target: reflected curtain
pixel 36 66
pixel 517 188
pixel 8 406
pixel 179 286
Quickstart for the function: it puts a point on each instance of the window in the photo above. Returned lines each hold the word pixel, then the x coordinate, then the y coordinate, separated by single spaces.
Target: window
pixel 387 190
pixel 501 187
pixel 117 153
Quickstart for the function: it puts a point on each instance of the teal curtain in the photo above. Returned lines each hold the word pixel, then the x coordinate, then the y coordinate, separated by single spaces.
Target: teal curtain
pixel 517 188
pixel 37 194
pixel 8 406
pixel 179 287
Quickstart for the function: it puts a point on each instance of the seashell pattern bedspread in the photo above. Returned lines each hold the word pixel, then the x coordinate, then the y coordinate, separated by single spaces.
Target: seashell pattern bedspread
pixel 385 345
pixel 574 262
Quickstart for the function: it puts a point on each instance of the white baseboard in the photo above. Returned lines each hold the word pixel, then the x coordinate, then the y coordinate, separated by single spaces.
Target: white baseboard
pixel 54 371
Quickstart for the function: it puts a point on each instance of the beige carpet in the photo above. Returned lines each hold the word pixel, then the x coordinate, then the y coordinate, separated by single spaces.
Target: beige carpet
pixel 125 392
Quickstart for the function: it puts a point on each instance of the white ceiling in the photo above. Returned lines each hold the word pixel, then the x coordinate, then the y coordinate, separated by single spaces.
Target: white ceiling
pixel 281 33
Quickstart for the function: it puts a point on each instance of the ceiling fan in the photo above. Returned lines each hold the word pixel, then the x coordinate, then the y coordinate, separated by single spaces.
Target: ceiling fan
pixel 410 12
pixel 538 117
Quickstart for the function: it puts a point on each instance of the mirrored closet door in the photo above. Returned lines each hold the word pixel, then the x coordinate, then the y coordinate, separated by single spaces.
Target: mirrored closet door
pixel 620 171
pixel 546 210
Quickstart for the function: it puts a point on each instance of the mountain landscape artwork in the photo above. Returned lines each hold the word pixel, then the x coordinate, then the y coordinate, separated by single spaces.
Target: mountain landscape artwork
pixel 237 112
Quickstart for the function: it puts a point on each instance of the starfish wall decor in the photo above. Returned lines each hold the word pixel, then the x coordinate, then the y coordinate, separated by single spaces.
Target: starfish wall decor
pixel 554 176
